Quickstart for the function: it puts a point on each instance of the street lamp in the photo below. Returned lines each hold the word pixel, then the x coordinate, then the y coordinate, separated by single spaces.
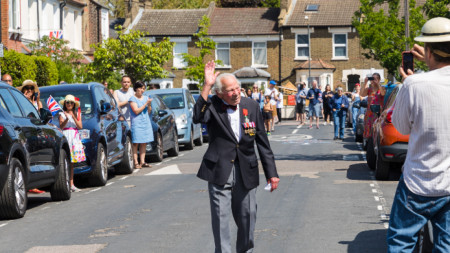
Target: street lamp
pixel 309 52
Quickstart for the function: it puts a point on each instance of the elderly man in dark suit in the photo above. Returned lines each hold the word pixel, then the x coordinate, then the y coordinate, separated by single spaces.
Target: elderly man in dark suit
pixel 230 164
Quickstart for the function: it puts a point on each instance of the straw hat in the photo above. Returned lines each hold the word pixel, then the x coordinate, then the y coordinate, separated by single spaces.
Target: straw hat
pixel 70 98
pixel 435 30
pixel 29 83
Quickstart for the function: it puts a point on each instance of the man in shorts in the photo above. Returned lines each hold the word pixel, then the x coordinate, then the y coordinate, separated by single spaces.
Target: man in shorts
pixel 315 98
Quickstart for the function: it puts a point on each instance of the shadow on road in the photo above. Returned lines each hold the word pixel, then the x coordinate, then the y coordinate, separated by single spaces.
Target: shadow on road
pixel 359 171
pixel 368 242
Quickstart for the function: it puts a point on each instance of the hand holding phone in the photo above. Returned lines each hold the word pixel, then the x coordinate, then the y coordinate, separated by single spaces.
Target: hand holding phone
pixel 370 78
pixel 407 61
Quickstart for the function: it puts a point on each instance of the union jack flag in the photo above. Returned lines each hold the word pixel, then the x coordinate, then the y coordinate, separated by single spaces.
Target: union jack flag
pixel 53 106
pixel 56 34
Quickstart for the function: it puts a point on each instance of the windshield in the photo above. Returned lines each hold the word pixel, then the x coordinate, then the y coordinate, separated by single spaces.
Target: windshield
pixel 84 96
pixel 174 100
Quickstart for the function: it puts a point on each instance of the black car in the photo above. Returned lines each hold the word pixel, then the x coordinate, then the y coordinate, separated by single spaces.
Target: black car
pixel 106 135
pixel 33 154
pixel 164 131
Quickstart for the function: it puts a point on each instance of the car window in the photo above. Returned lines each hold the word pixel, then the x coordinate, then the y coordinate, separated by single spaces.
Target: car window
pixel 155 105
pixel 162 106
pixel 190 99
pixel 173 100
pixel 27 107
pixel 9 103
pixel 85 97
pixel 111 99
pixel 100 96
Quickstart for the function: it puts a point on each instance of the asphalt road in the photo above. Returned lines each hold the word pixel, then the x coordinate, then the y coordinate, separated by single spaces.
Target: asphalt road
pixel 327 201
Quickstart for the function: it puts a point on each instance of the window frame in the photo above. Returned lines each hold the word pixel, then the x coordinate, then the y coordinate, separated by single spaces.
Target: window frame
pixel 297 45
pixel 229 55
pixel 257 65
pixel 334 57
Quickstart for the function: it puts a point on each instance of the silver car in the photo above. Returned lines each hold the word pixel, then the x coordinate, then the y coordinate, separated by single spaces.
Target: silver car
pixel 181 102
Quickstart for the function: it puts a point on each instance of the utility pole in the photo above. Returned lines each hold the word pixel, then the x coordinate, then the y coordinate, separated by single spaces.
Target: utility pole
pixel 309 53
pixel 407 25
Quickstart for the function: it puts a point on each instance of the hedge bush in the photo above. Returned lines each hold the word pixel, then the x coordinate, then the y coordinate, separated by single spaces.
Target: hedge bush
pixel 20 66
pixel 47 73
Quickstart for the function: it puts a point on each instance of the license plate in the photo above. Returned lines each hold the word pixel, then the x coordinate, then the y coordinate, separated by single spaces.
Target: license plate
pixel 84 133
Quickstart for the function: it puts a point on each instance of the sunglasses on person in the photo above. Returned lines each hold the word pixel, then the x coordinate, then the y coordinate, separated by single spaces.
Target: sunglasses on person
pixel 70 102
pixel 28 88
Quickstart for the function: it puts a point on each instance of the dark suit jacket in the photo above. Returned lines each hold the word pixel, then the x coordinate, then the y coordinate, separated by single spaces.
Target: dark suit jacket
pixel 224 149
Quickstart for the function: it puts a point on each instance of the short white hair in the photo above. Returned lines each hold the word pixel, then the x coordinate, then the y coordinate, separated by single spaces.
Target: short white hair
pixel 218 84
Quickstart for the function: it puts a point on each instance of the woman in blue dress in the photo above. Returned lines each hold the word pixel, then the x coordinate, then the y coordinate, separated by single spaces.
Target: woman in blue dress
pixel 141 127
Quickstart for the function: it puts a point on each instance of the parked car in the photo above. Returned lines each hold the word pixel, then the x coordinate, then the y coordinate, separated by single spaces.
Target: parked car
pixel 106 134
pixel 181 102
pixel 204 127
pixel 164 130
pixel 34 154
pixel 386 145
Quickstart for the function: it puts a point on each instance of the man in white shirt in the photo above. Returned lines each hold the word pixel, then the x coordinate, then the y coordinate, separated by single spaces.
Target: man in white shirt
pixel 279 105
pixel 422 111
pixel 273 93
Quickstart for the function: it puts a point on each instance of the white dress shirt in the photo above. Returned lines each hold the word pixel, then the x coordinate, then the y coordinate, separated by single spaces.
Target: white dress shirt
pixel 235 122
pixel 422 109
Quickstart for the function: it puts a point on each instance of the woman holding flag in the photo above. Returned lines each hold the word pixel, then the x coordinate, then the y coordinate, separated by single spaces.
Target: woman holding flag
pixel 69 122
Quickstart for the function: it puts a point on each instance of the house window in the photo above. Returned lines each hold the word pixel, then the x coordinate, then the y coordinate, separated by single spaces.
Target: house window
pixel 260 54
pixel 340 46
pixel 14 15
pixel 178 50
pixel 302 47
pixel 223 54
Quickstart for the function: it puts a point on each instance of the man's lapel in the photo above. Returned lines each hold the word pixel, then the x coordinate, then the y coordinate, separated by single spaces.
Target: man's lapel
pixel 223 115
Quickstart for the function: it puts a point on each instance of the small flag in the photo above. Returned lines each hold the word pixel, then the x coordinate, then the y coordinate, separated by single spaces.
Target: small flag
pixel 79 109
pixel 53 106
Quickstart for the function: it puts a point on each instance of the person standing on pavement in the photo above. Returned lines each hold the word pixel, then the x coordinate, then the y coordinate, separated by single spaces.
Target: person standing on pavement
pixel 273 93
pixel 339 104
pixel 421 110
pixel 279 105
pixel 230 164
pixel 123 96
pixel 315 98
pixel 327 96
pixel 375 96
pixel 301 102
pixel 7 79
pixel 356 99
pixel 267 113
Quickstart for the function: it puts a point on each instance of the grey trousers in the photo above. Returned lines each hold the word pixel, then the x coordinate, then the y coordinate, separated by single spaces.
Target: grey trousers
pixel 234 198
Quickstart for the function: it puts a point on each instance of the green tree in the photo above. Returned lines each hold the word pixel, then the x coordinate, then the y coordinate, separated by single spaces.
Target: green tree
pixel 47 72
pixel 196 65
pixel 133 54
pixel 66 58
pixel 382 32
pixel 180 4
pixel 20 66
pixel 270 3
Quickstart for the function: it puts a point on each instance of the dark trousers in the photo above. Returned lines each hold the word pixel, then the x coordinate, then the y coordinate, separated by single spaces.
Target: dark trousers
pixel 233 198
pixel 279 114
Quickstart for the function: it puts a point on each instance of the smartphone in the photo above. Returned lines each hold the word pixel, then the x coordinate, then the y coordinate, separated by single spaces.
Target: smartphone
pixel 407 61
pixel 370 78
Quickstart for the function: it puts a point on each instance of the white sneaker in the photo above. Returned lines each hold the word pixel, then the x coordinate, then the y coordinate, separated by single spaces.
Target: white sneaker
pixel 325 123
pixel 74 189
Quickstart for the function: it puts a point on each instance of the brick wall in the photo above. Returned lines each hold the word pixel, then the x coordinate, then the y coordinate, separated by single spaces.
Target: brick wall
pixel 4 21
pixel 322 47
pixel 94 26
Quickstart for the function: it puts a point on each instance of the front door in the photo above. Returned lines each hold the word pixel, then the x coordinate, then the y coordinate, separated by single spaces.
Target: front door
pixel 352 80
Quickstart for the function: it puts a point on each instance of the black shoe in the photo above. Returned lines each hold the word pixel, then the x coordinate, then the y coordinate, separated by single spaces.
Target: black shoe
pixel 341 138
pixel 335 138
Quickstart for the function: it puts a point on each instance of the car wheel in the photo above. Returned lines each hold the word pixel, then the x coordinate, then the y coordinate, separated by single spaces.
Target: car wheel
pixel 364 144
pixel 190 145
pixel 381 167
pixel 99 176
pixel 370 154
pixel 60 190
pixel 126 166
pixel 13 201
pixel 176 149
pixel 159 149
pixel 199 141
pixel 358 138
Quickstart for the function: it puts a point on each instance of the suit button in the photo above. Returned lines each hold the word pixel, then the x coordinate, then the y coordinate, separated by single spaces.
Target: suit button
pixel 232 161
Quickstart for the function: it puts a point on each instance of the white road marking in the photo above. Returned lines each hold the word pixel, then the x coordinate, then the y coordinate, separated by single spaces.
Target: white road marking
pixel 372 185
pixel 136 171
pixel 386 225
pixel 47 207
pixel 380 208
pixel 158 164
pixel 295 131
pixel 377 198
pixel 2 225
pixel 181 155
pixel 374 190
pixel 110 183
pixel 169 170
pixel 96 189
pixel 299 126
pixel 123 178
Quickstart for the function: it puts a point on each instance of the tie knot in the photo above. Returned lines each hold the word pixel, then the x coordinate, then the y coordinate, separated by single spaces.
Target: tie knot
pixel 232 107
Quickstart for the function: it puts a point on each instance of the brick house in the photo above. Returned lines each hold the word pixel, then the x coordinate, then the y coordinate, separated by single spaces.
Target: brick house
pixel 23 22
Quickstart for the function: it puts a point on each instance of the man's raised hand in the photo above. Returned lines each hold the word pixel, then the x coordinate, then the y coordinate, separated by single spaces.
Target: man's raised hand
pixel 210 76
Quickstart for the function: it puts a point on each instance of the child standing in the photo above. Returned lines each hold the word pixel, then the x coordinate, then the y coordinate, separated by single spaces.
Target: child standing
pixel 267 113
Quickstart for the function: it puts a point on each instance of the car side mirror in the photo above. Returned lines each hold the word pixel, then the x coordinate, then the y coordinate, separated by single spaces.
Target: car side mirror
pixel 45 115
pixel 162 113
pixel 375 109
pixel 363 103
pixel 105 108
